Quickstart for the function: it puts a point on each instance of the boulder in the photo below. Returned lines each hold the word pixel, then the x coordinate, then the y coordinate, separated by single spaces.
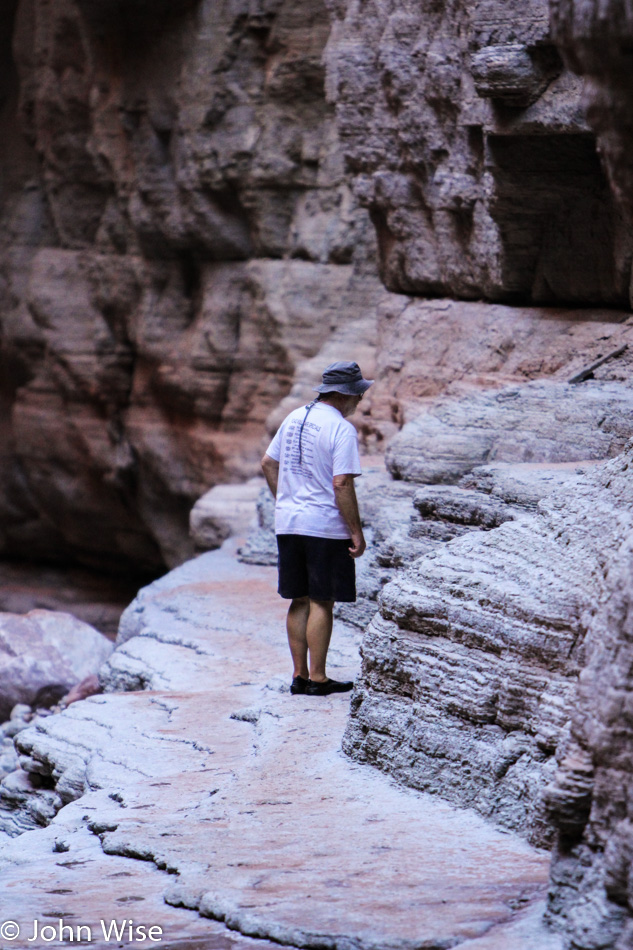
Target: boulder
pixel 224 511
pixel 45 650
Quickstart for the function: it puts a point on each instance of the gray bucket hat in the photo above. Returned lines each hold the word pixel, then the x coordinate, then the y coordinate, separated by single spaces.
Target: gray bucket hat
pixel 343 377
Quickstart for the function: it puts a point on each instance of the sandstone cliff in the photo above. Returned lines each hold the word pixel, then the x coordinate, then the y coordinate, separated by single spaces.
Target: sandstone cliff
pixel 178 235
pixel 184 245
pixel 467 142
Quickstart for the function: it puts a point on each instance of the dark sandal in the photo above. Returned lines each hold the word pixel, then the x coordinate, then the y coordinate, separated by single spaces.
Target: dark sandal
pixel 330 686
pixel 298 685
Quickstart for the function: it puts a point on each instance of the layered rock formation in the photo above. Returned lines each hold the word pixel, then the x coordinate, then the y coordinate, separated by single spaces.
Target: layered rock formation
pixel 589 799
pixel 178 235
pixel 511 582
pixel 468 144
pixel 469 670
pixel 183 248
pixel 541 422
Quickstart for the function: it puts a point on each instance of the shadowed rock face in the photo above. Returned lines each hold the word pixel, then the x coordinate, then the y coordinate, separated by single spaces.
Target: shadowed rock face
pixel 596 40
pixel 177 236
pixel 468 144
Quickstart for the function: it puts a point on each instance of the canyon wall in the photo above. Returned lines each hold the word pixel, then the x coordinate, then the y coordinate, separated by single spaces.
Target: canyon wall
pixel 466 140
pixel 178 236
pixel 204 204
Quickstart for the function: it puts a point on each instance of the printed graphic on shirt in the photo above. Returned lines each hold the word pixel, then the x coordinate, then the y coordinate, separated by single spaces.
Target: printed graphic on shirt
pixel 299 447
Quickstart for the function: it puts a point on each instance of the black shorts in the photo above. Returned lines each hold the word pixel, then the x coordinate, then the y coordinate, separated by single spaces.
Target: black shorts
pixel 319 568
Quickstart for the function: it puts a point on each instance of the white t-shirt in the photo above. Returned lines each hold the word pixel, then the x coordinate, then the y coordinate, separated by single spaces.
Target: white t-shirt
pixel 305 495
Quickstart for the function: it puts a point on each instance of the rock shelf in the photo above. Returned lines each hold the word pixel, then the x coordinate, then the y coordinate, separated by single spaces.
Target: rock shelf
pixel 238 793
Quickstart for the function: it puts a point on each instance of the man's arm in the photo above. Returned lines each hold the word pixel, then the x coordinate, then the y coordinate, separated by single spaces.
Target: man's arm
pixel 271 473
pixel 345 497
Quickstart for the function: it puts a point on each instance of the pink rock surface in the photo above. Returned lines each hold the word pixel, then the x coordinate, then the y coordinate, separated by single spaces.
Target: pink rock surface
pixel 219 776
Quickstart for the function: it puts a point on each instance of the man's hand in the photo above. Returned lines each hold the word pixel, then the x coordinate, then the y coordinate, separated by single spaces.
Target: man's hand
pixel 357 547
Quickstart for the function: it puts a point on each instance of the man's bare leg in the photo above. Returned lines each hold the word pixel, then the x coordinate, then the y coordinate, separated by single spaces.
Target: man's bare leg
pixel 296 624
pixel 318 633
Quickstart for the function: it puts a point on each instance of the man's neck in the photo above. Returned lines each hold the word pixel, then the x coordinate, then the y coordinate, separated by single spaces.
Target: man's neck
pixel 336 400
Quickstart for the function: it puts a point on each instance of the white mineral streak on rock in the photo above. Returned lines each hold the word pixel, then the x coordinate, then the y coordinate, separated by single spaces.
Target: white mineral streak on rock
pixel 219 776
pixel 45 648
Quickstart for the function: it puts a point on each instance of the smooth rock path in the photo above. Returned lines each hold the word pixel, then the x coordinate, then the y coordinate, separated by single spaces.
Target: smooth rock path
pixel 240 805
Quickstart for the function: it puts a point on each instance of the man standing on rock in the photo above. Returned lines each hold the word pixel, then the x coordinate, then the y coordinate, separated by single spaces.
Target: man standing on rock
pixel 310 467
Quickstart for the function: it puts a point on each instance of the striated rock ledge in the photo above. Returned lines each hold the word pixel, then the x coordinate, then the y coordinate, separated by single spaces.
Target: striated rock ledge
pixel 543 421
pixel 470 668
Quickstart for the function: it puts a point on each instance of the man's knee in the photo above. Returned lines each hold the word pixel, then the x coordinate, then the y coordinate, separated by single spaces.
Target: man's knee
pixel 323 604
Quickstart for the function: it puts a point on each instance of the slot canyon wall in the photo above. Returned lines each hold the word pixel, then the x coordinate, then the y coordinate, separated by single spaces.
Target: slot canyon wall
pixel 203 203
pixel 178 235
pixel 191 196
